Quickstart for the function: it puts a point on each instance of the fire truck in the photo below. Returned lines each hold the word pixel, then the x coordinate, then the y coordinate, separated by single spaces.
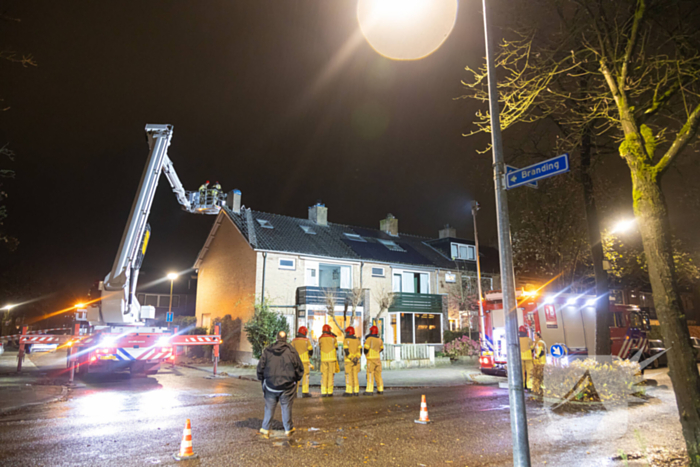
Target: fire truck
pixel 561 318
pixel 115 335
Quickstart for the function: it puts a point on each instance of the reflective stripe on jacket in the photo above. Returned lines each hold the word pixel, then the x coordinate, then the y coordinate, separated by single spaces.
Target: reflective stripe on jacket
pixel 328 347
pixel 352 347
pixel 374 345
pixel 302 346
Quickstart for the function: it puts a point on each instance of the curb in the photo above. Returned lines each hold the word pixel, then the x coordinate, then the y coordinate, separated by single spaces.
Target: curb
pixel 251 378
pixel 61 397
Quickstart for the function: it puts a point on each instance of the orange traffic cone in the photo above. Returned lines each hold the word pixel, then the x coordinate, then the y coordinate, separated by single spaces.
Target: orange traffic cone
pixel 186 451
pixel 423 412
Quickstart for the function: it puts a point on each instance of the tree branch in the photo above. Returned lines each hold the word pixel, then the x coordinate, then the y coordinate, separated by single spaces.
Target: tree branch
pixel 682 139
pixel 631 43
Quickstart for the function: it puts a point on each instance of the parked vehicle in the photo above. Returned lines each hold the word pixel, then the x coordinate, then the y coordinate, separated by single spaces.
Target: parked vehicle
pixel 567 319
pixel 2 347
pixel 657 346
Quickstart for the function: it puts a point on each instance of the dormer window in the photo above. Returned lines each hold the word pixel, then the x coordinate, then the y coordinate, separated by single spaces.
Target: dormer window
pixel 354 237
pixel 307 229
pixel 462 251
pixel 265 224
pixel 390 244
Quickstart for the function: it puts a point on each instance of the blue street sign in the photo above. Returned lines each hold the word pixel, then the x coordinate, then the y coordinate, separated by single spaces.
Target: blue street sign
pixel 559 350
pixel 534 172
pixel 169 317
pixel 510 168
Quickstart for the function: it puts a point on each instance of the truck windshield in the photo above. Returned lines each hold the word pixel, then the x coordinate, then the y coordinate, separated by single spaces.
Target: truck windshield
pixel 636 321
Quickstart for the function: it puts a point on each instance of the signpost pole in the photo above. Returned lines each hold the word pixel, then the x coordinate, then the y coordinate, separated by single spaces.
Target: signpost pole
pixel 518 417
pixel 74 340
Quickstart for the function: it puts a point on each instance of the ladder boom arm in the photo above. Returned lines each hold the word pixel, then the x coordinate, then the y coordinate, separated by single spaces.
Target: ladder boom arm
pixel 178 189
pixel 158 137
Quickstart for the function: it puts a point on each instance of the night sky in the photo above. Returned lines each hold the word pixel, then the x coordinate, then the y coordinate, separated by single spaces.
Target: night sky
pixel 262 99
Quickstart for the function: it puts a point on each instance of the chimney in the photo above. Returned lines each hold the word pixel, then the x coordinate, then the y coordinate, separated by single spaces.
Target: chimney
pixel 318 213
pixel 390 225
pixel 233 201
pixel 448 231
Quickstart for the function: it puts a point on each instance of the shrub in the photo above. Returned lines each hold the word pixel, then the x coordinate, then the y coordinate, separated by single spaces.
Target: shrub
pixel 462 347
pixel 592 381
pixel 449 336
pixel 263 327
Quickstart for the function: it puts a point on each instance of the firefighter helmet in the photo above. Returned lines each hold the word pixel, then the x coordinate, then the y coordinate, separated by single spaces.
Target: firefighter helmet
pixel 350 331
pixel 374 330
pixel 302 330
pixel 327 328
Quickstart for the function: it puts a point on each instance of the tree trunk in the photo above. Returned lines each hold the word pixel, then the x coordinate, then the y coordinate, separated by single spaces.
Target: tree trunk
pixel 602 304
pixel 650 211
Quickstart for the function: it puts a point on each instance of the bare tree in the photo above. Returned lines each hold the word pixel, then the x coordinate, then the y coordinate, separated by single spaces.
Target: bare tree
pixel 462 296
pixel 384 299
pixel 330 297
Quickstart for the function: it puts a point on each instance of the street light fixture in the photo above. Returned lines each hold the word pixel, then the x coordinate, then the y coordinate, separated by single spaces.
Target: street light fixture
pixel 172 276
pixel 624 226
pixel 518 417
pixel 8 307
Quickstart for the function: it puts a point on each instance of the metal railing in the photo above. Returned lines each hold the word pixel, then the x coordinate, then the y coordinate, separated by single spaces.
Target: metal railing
pixel 317 296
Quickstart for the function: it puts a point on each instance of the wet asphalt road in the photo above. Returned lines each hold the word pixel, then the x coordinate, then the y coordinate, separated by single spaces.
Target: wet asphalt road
pixel 116 420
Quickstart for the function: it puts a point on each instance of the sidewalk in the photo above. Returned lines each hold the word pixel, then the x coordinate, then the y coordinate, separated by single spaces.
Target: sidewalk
pixel 25 389
pixel 455 375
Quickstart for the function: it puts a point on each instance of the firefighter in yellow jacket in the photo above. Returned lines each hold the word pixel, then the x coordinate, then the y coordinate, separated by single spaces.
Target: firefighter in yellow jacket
pixel 352 348
pixel 539 354
pixel 526 356
pixel 374 345
pixel 305 350
pixel 328 346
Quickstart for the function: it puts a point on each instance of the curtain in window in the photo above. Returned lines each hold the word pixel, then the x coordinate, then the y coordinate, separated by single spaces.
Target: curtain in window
pixel 428 329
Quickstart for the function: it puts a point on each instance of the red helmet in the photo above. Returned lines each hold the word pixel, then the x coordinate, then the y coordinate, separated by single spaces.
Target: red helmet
pixel 302 330
pixel 327 328
pixel 350 331
pixel 207 182
pixel 522 329
pixel 374 330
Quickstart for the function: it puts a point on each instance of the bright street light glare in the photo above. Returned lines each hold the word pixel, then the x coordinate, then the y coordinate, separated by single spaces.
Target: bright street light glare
pixel 406 29
pixel 624 226
pixel 172 276
pixel 8 307
pixel 80 305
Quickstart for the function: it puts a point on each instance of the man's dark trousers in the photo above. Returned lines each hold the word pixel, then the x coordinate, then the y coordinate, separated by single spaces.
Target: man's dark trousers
pixel 286 400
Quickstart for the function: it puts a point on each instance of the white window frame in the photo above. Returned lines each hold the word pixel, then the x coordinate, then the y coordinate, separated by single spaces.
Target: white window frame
pixel 293 267
pixel 413 271
pixel 382 274
pixel 471 250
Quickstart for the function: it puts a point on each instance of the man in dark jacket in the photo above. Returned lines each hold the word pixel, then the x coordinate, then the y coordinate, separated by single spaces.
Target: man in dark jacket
pixel 279 369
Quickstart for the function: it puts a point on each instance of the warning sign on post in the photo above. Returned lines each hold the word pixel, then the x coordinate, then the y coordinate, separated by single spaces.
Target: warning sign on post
pixel 550 316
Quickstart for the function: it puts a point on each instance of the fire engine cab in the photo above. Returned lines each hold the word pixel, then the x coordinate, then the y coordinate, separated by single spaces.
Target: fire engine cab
pixel 561 318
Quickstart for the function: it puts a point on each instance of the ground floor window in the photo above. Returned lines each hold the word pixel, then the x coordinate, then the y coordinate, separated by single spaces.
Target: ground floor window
pixel 428 328
pixel 416 328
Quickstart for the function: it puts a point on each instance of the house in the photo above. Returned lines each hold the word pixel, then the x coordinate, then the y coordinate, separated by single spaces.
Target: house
pixel 298 265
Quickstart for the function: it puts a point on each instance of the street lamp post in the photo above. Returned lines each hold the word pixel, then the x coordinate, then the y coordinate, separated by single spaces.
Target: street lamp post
pixel 381 21
pixel 172 276
pixel 475 208
pixel 518 416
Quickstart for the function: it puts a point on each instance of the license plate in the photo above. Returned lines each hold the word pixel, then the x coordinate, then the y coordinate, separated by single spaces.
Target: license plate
pixel 107 357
